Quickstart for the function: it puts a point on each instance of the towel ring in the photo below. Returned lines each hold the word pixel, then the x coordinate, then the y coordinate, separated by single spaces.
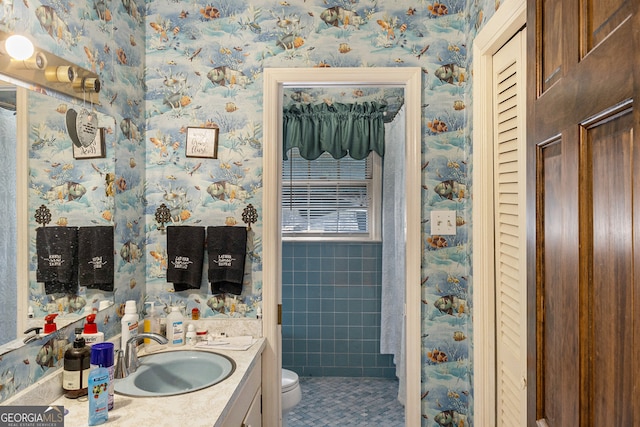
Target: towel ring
pixel 163 215
pixel 249 215
pixel 43 215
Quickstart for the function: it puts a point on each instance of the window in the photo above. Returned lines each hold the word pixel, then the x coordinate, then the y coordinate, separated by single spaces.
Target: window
pixel 327 198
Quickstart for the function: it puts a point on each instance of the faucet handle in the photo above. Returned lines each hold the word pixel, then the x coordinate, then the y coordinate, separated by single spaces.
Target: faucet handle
pixel 30 338
pixel 35 328
pixel 120 369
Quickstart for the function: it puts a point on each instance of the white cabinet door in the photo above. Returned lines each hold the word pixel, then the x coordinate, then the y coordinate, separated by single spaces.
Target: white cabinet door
pixel 254 414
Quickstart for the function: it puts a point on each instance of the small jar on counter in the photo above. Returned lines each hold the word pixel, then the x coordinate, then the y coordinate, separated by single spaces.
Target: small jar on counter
pixel 195 314
pixel 201 335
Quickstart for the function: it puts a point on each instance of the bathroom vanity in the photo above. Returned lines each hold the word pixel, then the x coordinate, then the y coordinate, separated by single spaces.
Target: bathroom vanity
pixel 232 402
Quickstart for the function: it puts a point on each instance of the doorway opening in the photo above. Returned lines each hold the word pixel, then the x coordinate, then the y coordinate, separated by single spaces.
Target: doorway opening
pixel 274 82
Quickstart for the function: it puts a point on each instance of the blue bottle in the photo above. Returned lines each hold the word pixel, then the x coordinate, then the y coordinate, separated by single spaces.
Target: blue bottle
pixel 100 383
pixel 102 355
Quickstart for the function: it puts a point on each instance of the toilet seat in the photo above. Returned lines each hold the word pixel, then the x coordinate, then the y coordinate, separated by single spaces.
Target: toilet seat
pixel 289 380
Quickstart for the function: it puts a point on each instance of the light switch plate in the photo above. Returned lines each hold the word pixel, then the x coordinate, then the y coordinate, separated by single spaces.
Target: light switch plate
pixel 443 223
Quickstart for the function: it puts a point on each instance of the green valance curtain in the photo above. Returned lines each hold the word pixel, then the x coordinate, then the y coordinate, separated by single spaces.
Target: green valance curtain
pixel 339 129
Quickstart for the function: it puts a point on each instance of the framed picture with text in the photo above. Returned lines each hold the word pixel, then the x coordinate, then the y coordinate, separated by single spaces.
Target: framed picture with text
pixel 202 142
pixel 95 150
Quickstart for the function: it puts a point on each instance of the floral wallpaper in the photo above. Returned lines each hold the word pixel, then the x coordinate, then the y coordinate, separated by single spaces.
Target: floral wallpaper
pixel 168 65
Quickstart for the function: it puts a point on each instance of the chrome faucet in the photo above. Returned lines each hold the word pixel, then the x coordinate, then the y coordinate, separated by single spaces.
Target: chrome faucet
pixel 130 363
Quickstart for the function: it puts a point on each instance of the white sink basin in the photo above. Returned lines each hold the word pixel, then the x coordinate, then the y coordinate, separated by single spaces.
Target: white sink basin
pixel 175 372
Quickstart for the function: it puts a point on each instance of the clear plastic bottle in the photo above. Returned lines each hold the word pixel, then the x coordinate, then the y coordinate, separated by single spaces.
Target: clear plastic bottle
pixel 175 327
pixel 191 335
pixel 151 324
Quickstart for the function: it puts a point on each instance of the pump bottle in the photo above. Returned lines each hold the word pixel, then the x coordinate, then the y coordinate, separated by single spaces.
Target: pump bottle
pixel 77 364
pixel 90 333
pixel 50 323
pixel 151 324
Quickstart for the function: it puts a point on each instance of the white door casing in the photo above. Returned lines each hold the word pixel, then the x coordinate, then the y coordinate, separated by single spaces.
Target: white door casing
pixel 499 220
pixel 274 81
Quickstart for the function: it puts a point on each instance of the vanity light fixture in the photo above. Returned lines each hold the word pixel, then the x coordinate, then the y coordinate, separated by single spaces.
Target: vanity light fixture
pixel 62 73
pixel 22 53
pixel 20 59
pixel 35 62
pixel 86 84
pixel 19 47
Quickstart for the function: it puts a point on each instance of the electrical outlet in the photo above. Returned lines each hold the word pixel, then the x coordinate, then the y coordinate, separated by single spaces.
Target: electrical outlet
pixel 443 223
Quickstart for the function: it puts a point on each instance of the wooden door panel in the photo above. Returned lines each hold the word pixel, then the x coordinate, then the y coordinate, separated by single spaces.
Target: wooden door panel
pixel 601 18
pixel 611 286
pixel 592 86
pixel 557 308
pixel 584 282
pixel 550 50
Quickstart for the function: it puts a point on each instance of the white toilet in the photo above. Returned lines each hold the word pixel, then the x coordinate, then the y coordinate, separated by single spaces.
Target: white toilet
pixel 291 393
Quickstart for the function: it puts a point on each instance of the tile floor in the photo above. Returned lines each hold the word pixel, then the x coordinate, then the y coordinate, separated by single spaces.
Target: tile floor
pixel 347 402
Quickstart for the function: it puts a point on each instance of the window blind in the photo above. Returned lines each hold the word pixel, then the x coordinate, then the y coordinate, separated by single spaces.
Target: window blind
pixel 326 196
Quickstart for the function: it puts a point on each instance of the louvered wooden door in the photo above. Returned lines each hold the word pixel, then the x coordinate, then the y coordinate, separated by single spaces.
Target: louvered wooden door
pixel 510 234
pixel 583 201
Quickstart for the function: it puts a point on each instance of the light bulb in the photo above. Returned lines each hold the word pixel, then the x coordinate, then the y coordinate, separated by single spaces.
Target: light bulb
pixel 19 47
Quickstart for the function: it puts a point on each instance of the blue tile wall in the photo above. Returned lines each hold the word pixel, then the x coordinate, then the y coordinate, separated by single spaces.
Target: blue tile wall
pixel 331 310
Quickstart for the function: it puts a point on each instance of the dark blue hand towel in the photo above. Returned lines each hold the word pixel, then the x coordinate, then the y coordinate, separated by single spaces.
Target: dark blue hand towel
pixel 95 257
pixel 57 251
pixel 227 249
pixel 185 252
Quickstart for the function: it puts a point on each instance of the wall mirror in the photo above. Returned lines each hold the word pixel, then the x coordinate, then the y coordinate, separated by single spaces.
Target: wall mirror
pixel 74 184
pixel 276 82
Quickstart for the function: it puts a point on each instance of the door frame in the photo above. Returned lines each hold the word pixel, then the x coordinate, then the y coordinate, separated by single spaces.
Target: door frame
pixel 503 25
pixel 275 79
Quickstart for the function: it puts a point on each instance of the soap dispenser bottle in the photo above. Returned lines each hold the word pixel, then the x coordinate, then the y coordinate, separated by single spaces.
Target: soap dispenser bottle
pixel 90 333
pixel 175 327
pixel 77 364
pixel 50 323
pixel 151 324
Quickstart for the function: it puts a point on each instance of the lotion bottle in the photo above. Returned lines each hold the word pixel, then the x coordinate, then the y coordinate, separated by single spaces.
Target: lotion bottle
pixel 90 333
pixel 175 327
pixel 129 322
pixel 50 323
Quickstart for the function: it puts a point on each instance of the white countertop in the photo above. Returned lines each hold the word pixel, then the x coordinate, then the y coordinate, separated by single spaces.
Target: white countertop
pixel 206 407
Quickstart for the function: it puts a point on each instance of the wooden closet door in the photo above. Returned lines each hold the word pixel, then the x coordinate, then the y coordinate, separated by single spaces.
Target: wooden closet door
pixel 583 198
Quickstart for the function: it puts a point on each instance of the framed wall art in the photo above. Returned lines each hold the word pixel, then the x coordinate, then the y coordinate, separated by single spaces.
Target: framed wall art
pixel 97 149
pixel 202 142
